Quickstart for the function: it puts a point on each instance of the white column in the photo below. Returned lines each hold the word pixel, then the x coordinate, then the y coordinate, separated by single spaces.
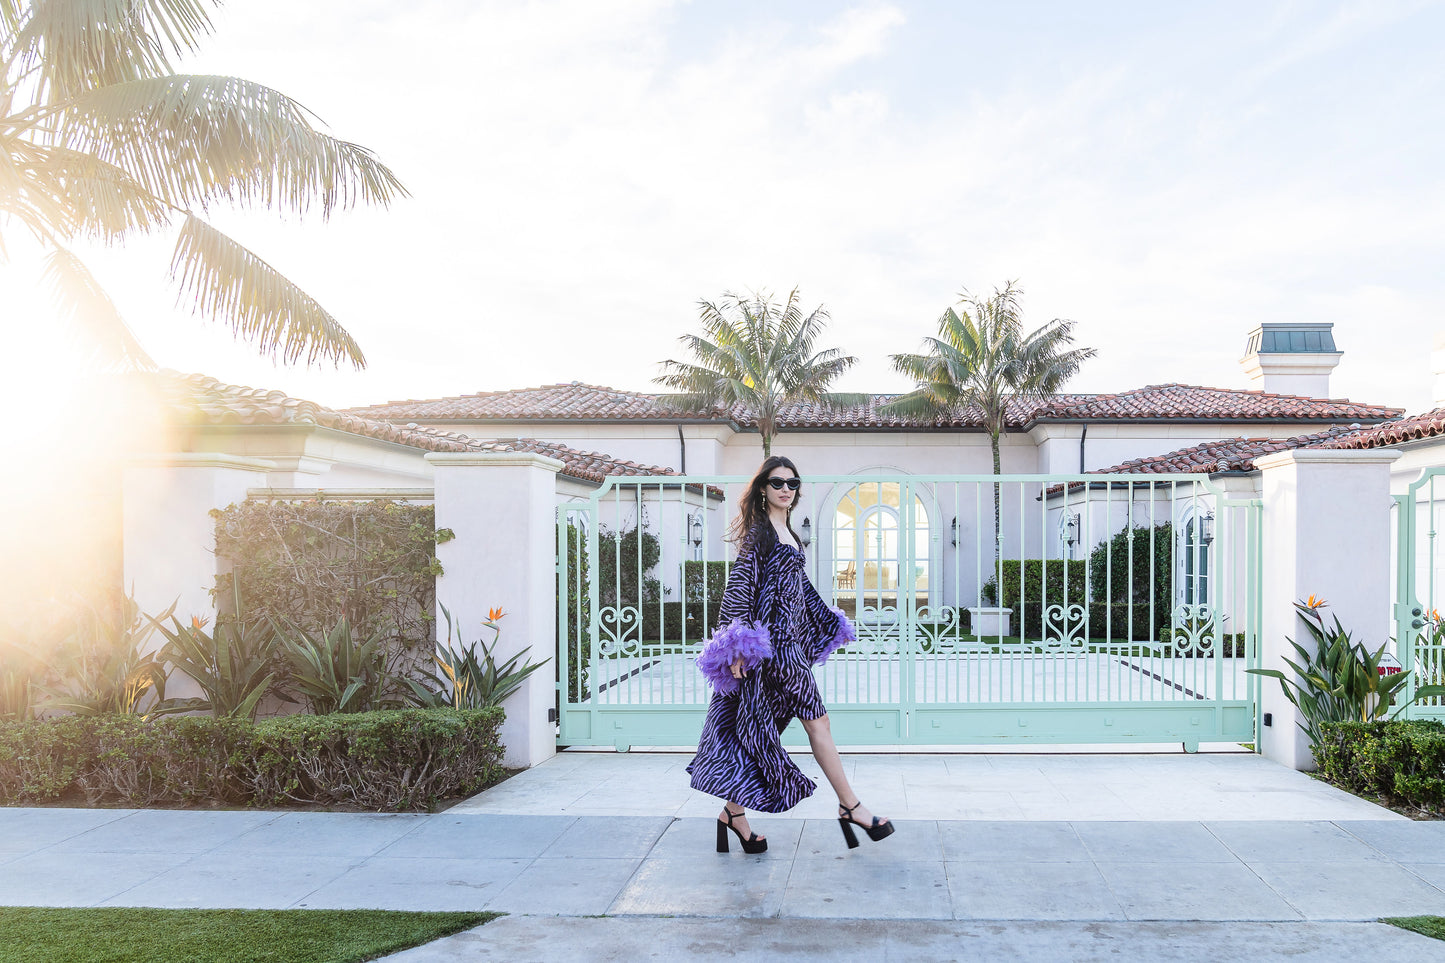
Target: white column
pixel 1327 534
pixel 502 507
pixel 169 534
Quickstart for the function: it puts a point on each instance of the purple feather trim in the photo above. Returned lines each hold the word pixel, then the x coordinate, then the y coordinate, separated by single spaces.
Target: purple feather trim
pixel 752 642
pixel 845 633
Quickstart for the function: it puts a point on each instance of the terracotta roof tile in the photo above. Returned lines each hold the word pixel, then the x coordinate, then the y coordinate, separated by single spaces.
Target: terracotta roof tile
pixel 1431 424
pixel 584 402
pixel 1230 454
pixel 559 402
pixel 202 401
pixel 1191 403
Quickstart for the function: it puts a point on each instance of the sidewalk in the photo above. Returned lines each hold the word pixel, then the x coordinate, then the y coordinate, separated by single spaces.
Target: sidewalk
pixel 1207 861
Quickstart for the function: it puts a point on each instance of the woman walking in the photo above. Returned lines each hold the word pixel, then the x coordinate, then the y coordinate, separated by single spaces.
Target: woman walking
pixel 773 628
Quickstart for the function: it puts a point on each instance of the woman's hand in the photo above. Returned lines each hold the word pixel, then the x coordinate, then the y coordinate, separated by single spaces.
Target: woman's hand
pixel 737 668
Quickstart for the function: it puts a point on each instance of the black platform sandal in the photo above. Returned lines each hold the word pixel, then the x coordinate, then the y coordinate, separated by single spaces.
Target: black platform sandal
pixel 879 829
pixel 753 844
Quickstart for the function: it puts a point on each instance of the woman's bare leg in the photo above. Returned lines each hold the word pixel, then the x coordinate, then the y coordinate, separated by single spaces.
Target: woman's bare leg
pixel 825 750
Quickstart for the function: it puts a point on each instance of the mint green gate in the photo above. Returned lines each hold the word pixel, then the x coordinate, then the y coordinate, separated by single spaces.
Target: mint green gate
pixel 1083 609
pixel 1419 582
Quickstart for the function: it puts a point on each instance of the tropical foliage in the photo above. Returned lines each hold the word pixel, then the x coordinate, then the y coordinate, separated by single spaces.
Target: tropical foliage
pixel 234 665
pixel 105 666
pixel 472 679
pixel 335 672
pixel 759 355
pixel 982 359
pixel 100 140
pixel 1340 681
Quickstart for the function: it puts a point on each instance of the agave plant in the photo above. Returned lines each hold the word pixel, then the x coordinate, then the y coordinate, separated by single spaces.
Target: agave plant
pixel 234 665
pixel 472 679
pixel 1340 681
pixel 19 672
pixel 102 668
pixel 334 672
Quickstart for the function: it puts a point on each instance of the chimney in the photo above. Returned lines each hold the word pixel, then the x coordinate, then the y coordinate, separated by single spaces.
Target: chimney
pixel 1292 359
pixel 1437 364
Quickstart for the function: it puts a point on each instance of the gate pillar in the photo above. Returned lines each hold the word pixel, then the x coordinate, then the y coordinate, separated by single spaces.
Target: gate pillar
pixel 501 505
pixel 1326 533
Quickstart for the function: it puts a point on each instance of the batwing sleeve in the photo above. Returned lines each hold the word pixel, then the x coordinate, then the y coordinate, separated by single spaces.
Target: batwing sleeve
pixel 827 629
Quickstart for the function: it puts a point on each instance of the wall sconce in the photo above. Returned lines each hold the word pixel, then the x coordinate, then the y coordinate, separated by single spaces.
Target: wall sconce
pixel 1071 529
pixel 696 528
pixel 807 532
pixel 1206 529
pixel 953 531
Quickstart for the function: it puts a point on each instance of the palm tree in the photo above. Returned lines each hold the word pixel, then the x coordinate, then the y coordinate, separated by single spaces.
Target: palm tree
pixel 101 140
pixel 982 359
pixel 757 353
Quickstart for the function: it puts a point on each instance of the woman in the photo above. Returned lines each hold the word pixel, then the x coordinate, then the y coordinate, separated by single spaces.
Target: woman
pixel 773 628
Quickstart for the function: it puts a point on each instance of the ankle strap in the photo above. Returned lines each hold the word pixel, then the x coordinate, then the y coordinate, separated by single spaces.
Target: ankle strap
pixel 846 809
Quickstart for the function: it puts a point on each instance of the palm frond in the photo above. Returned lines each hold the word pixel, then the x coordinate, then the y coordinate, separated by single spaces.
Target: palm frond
pixel 82 194
pixel 196 139
pixel 93 318
pixel 259 304
pixel 76 45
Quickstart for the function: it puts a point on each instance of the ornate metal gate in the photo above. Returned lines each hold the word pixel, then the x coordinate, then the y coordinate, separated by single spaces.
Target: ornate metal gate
pixel 1016 608
pixel 1419 572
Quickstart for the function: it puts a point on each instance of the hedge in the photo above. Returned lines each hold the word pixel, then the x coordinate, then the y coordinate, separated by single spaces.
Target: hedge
pixel 1035 592
pixel 402 759
pixel 1402 761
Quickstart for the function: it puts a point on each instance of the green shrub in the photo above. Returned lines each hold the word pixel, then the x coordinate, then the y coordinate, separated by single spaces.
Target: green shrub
pixel 625 563
pixel 1123 620
pixel 313 563
pixel 405 759
pixel 1403 760
pixel 665 621
pixel 579 608
pixel 1137 565
pixel 697 576
pixel 38 760
pixel 1036 594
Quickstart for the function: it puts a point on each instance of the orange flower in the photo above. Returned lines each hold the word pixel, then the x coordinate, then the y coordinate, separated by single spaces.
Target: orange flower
pixel 494 615
pixel 1314 603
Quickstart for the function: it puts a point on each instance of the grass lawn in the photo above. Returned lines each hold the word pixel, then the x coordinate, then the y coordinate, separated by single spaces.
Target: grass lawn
pixel 1426 925
pixel 123 935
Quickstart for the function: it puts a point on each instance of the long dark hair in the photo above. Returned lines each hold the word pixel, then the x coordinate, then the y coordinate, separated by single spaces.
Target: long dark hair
pixel 752 527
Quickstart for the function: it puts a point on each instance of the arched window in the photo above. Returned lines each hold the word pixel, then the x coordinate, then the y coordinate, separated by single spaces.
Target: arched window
pixel 876 558
pixel 1198 536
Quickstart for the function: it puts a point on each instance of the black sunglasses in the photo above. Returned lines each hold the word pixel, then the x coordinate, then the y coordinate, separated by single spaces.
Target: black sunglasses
pixel 778 483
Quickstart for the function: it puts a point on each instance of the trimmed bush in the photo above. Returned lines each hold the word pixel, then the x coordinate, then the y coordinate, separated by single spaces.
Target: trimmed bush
pixel 1402 760
pixel 1035 593
pixel 673 614
pixel 697 576
pixel 403 759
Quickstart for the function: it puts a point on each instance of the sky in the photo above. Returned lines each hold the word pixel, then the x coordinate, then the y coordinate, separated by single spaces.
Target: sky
pixel 582 172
